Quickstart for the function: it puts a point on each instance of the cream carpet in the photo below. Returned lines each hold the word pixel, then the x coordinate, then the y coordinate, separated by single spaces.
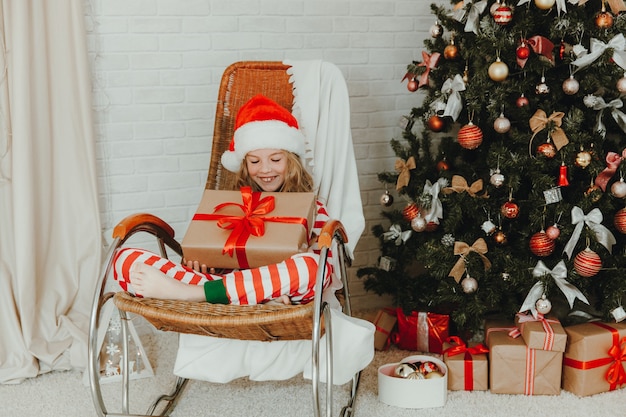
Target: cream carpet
pixel 64 394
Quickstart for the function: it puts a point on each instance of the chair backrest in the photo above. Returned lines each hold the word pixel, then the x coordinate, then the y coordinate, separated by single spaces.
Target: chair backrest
pixel 240 82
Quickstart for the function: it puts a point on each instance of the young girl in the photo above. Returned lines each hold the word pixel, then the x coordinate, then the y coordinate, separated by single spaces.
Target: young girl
pixel 265 152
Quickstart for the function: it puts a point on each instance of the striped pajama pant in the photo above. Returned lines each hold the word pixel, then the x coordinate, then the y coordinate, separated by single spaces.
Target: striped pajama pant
pixel 294 277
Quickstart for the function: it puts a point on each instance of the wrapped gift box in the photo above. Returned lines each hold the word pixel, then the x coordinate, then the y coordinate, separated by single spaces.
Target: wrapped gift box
pixel 385 320
pixel 593 358
pixel 221 223
pixel 412 393
pixel 422 331
pixel 468 368
pixel 543 333
pixel 514 368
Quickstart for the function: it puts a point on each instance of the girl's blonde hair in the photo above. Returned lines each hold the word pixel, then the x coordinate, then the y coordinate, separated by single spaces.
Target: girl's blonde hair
pixel 297 178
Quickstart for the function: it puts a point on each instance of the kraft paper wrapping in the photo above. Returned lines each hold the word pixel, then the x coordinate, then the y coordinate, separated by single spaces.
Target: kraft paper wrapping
pixel 385 320
pixel 204 240
pixel 536 336
pixel 589 345
pixel 457 367
pixel 514 368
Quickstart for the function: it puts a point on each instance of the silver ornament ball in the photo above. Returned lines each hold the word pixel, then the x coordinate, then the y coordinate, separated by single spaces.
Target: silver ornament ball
pixel 497 179
pixel 469 285
pixel 543 305
pixel 571 86
pixel 618 189
pixel 621 84
pixel 386 199
pixel 418 224
pixel 502 124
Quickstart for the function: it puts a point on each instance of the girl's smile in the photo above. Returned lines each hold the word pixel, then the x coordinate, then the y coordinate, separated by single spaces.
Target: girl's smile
pixel 267 168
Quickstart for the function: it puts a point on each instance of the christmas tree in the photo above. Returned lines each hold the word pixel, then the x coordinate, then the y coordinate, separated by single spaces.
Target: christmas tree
pixel 509 189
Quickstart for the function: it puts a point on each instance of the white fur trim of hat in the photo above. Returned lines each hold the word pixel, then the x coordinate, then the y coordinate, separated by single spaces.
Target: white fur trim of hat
pixel 262 124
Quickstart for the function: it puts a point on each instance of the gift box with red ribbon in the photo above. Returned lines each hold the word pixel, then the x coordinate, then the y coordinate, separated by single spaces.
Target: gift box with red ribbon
pixel 421 331
pixel 468 368
pixel 384 320
pixel 541 332
pixel 595 358
pixel 514 368
pixel 246 229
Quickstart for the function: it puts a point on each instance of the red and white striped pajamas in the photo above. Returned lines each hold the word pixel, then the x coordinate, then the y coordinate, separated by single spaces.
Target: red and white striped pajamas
pixel 294 276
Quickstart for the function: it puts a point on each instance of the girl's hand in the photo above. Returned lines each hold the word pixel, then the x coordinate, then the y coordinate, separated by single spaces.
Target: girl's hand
pixel 198 267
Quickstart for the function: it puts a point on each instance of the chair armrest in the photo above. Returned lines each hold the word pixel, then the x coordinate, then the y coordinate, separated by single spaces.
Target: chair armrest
pixel 330 229
pixel 140 220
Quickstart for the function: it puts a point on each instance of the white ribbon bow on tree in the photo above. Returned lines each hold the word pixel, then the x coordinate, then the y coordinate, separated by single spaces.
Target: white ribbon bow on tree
pixel 613 105
pixel 594 221
pixel 597 47
pixel 559 274
pixel 475 10
pixel 436 208
pixel 395 233
pixel 451 88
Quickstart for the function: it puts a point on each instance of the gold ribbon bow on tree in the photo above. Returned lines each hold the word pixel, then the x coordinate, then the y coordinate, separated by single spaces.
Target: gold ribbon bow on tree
pixel 459 185
pixel 463 249
pixel 540 121
pixel 404 172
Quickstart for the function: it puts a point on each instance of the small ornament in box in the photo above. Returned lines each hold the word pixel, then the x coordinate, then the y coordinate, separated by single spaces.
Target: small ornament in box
pixel 468 368
pixel 595 358
pixel 417 381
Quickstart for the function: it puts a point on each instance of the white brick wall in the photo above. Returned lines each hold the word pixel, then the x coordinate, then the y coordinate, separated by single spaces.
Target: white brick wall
pixel 156 70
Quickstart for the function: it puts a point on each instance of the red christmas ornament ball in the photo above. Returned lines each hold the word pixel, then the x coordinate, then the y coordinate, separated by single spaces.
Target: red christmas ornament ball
pixel 541 245
pixel 510 210
pixel 431 226
pixel 620 221
pixel 410 212
pixel 412 85
pixel 587 263
pixel 522 101
pixel 435 123
pixel 443 165
pixel 604 20
pixel 503 15
pixel 522 51
pixel 547 149
pixel 470 136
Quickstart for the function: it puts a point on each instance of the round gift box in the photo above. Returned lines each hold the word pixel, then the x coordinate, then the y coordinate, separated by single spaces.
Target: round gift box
pixel 412 393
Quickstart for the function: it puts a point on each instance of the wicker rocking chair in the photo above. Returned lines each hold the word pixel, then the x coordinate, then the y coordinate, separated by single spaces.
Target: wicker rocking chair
pixel 266 322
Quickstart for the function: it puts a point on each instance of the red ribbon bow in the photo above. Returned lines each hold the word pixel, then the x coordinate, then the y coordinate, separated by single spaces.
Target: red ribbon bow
pixel 251 223
pixel 613 161
pixel 616 375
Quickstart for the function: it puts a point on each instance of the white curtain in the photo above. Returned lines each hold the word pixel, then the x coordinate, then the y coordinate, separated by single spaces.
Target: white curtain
pixel 50 244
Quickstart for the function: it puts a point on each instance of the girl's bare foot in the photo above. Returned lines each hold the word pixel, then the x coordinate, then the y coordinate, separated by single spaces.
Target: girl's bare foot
pixel 151 282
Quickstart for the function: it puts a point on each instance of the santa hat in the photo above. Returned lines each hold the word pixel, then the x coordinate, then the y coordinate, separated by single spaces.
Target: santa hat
pixel 262 124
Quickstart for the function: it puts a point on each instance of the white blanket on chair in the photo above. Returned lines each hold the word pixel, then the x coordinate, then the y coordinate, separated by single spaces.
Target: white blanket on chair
pixel 223 360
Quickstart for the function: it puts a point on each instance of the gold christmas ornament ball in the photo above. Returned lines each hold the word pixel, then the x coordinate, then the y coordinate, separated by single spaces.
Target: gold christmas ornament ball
pixel 583 159
pixel 604 20
pixel 451 52
pixel 621 84
pixel 470 136
pixel 571 86
pixel 618 189
pixel 620 221
pixel 544 4
pixel 469 285
pixel 541 245
pixel 547 149
pixel 500 237
pixel 498 71
pixel 587 263
pixel 502 124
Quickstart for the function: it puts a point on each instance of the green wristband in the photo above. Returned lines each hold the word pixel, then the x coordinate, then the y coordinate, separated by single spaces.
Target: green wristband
pixel 215 292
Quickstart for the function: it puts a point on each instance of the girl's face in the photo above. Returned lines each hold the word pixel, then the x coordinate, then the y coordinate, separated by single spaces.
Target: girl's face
pixel 267 168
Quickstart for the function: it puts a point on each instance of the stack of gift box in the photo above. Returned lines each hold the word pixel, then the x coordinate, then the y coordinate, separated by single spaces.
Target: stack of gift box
pixel 532 355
